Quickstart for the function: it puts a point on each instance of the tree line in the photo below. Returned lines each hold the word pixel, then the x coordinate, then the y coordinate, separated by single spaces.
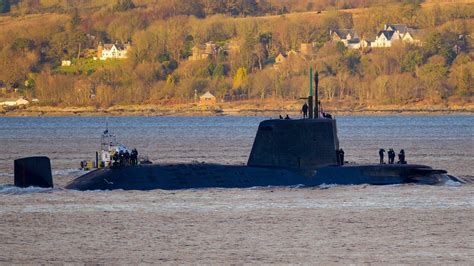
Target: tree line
pixel 158 69
pixel 198 8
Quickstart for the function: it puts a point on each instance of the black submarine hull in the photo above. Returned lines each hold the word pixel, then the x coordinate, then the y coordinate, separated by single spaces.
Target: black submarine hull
pixel 192 176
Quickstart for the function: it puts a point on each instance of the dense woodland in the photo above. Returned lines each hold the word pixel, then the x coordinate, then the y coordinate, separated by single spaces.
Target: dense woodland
pixel 35 35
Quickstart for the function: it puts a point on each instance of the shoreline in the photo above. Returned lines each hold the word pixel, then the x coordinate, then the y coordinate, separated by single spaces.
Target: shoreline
pixel 270 113
pixel 244 109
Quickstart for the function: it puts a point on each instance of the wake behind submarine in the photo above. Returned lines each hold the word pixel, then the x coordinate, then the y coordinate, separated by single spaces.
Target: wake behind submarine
pixel 285 152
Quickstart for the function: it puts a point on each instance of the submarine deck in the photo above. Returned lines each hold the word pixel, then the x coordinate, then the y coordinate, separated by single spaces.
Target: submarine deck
pixel 186 176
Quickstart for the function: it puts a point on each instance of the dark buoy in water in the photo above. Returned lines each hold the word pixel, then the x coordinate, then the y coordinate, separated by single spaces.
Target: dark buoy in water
pixel 33 171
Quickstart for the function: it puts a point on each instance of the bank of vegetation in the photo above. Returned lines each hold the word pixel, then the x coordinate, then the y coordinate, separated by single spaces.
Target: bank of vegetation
pixel 35 36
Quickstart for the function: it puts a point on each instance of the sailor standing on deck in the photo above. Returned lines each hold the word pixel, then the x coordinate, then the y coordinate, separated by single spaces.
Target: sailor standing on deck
pixel 381 155
pixel 134 157
pixel 341 156
pixel 391 156
pixel 304 110
pixel 401 157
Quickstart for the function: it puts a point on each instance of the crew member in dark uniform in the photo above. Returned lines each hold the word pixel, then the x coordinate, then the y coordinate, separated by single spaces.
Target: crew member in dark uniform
pixel 391 156
pixel 304 110
pixel 287 117
pixel 381 154
pixel 401 157
pixel 341 156
pixel 126 156
pixel 134 157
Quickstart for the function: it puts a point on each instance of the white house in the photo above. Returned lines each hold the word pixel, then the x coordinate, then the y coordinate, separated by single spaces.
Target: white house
pixel 383 39
pixel 343 35
pixel 66 63
pixel 399 29
pixel 397 33
pixel 113 51
pixel 358 44
pixel 349 38
pixel 413 36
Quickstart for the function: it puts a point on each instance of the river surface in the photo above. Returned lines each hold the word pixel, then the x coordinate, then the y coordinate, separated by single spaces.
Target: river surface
pixel 401 224
pixel 445 142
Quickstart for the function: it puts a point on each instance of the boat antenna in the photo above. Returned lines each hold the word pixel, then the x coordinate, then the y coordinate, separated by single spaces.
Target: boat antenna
pixel 310 97
pixel 106 125
pixel 316 94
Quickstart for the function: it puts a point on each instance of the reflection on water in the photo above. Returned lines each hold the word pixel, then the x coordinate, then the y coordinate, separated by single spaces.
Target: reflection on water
pixel 440 141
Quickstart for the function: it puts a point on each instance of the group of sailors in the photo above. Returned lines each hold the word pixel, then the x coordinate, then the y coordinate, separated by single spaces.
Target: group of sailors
pixel 305 109
pixel 391 156
pixel 304 112
pixel 125 158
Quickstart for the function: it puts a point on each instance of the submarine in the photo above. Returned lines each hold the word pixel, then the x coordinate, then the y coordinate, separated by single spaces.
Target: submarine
pixel 285 152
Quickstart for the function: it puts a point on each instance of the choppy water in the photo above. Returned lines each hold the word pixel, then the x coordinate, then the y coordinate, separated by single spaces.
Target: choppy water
pixel 406 224
pixel 440 141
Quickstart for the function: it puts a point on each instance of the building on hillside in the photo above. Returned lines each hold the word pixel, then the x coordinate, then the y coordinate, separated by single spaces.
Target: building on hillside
pixel 209 49
pixel 280 59
pixel 393 33
pixel 292 54
pixel 398 29
pixel 349 38
pixel 232 47
pixel 306 49
pixel 207 99
pixel 358 44
pixel 383 39
pixel 413 36
pixel 66 63
pixel 343 35
pixel 14 102
pixel 201 52
pixel 113 51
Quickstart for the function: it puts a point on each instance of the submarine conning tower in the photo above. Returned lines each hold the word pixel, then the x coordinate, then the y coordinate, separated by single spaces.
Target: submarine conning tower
pixel 304 144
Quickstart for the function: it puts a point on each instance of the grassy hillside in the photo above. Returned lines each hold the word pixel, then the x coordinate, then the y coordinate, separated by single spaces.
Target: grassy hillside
pixel 36 36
